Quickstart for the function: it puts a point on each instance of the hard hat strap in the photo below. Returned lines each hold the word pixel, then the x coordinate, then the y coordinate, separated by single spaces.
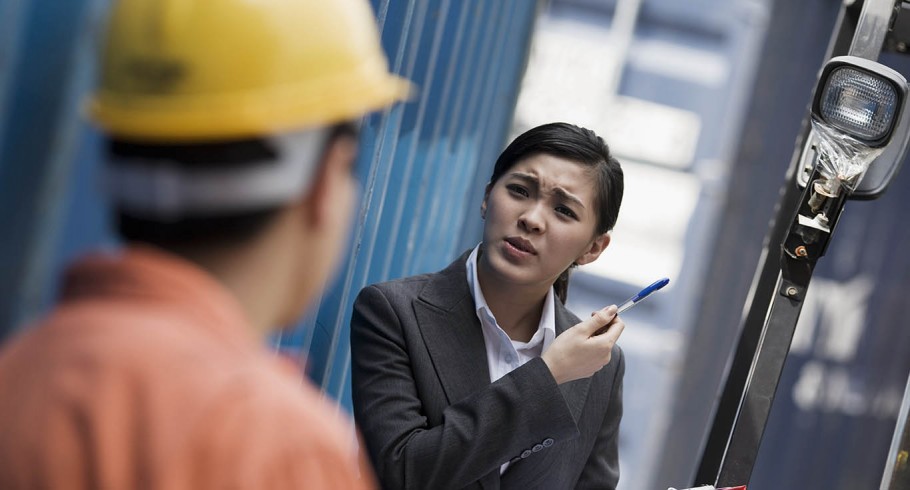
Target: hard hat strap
pixel 165 190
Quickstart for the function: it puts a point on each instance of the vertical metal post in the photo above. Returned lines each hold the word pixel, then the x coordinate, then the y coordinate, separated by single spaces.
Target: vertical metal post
pixel 622 32
pixel 764 374
pixel 897 469
pixel 872 28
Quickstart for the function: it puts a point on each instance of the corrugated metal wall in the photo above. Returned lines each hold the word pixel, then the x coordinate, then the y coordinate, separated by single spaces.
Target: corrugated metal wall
pixel 45 68
pixel 423 164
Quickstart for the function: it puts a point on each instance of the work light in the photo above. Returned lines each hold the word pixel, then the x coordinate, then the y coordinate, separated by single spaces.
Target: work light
pixel 864 100
pixel 860 101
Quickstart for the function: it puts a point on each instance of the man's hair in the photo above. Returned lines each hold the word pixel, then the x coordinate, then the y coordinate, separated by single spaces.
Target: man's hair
pixel 231 228
pixel 583 147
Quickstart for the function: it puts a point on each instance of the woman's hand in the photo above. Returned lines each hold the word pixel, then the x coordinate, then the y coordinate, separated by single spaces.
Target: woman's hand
pixel 585 348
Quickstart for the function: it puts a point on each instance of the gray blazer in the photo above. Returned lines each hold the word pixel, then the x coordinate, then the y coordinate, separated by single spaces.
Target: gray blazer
pixel 431 419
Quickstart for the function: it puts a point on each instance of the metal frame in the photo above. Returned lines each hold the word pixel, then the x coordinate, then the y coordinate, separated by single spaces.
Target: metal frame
pixel 778 291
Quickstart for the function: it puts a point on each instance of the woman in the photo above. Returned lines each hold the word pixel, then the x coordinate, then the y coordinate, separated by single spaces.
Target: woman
pixel 477 376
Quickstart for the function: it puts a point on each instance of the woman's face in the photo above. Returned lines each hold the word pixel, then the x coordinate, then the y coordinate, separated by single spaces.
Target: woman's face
pixel 540 218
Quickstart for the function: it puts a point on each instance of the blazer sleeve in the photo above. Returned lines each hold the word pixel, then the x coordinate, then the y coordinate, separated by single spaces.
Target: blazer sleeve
pixel 477 435
pixel 601 470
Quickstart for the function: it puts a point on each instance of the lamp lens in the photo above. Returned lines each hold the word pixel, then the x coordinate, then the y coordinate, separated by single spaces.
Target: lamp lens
pixel 859 103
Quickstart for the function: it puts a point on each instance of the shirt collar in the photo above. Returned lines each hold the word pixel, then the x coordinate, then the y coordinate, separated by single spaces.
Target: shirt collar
pixel 547 326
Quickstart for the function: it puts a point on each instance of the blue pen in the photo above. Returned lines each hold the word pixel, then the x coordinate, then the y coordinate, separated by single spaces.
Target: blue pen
pixel 644 293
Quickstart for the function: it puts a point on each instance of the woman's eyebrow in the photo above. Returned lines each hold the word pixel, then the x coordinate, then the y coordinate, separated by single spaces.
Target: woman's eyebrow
pixel 534 181
pixel 566 196
pixel 528 178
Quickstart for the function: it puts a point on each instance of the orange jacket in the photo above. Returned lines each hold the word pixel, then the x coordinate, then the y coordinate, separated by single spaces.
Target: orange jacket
pixel 147 376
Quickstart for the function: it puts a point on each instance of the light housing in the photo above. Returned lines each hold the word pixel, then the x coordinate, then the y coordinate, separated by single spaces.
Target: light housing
pixel 865 100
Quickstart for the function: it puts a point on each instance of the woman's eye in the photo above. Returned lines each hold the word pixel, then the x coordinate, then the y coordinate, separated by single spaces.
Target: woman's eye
pixel 517 189
pixel 566 212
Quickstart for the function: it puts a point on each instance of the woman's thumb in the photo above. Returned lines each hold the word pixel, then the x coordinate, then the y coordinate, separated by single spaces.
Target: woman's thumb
pixel 598 320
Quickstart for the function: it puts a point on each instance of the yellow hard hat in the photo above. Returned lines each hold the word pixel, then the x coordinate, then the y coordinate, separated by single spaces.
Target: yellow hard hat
pixel 196 70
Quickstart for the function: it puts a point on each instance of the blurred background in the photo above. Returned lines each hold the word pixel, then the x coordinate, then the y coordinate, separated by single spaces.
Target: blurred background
pixel 702 102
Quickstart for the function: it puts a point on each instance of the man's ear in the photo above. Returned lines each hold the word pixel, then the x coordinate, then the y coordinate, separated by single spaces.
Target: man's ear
pixel 598 245
pixel 334 169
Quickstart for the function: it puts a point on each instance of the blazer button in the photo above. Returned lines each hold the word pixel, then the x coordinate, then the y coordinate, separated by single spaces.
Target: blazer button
pixel 548 442
pixel 526 453
pixel 537 448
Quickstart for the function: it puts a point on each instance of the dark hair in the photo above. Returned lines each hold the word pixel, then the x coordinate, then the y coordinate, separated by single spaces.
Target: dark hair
pixel 579 145
pixel 234 228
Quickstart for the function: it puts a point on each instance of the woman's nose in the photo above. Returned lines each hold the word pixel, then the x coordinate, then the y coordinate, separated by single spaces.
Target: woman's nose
pixel 532 220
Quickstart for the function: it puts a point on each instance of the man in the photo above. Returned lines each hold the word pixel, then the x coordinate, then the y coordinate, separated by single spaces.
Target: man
pixel 231 153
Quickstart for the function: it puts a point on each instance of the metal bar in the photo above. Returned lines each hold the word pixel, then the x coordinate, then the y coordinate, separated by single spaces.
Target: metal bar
pixel 872 28
pixel 764 375
pixel 622 32
pixel 897 468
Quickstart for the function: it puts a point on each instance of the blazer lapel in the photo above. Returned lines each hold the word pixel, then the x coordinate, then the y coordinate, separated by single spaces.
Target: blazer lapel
pixel 452 332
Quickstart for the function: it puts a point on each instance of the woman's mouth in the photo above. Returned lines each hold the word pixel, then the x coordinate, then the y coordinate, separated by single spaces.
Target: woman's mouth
pixel 521 245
